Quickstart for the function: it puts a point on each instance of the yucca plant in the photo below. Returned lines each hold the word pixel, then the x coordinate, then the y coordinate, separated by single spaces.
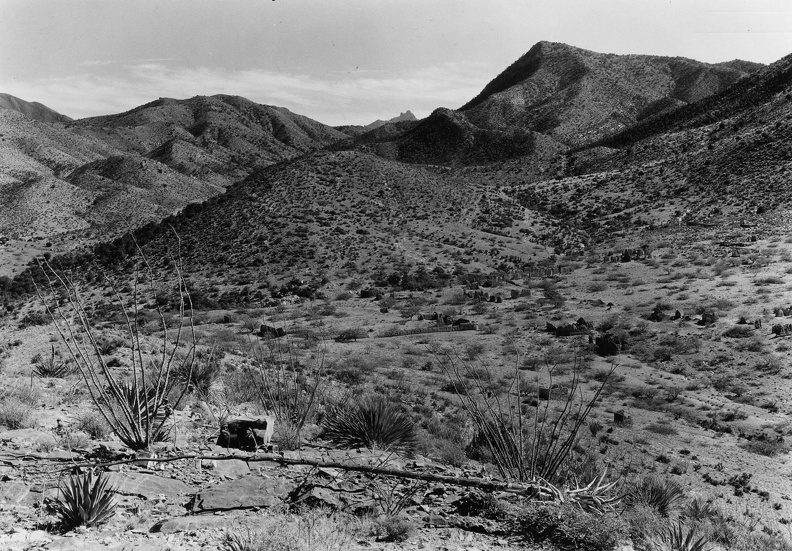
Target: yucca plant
pixel 374 423
pixel 678 538
pixel 85 500
pixel 661 494
pixel 52 366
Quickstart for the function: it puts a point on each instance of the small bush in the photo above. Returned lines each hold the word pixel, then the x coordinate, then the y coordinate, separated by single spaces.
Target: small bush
pixel 738 332
pixel 569 527
pixel 396 529
pixel 15 413
pixel 93 424
pixel 765 447
pixel 661 428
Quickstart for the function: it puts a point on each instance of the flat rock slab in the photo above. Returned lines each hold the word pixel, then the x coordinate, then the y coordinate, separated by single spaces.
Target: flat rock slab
pixel 243 493
pixel 19 493
pixel 27 437
pixel 202 522
pixel 149 486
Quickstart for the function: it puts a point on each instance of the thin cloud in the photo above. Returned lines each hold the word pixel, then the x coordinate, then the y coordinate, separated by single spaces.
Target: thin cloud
pixel 349 98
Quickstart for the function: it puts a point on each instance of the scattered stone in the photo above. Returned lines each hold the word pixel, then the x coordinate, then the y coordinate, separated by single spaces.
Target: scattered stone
pixel 26 438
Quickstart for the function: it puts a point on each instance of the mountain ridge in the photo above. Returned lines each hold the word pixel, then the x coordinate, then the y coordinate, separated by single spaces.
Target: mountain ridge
pixel 33 110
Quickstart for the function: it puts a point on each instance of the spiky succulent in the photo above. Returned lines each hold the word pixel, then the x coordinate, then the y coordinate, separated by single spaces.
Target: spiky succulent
pixel 661 494
pixel 375 423
pixel 85 500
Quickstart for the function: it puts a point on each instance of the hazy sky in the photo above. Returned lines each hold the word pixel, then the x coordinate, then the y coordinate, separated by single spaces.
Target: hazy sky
pixel 343 61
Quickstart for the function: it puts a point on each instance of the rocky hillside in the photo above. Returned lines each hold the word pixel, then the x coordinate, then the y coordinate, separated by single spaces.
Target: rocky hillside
pixel 570 95
pixel 217 138
pixel 97 178
pixel 334 213
pixel 32 110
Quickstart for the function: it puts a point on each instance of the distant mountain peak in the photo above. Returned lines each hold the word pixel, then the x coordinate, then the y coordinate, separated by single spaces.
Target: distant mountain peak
pixel 32 110
pixel 406 116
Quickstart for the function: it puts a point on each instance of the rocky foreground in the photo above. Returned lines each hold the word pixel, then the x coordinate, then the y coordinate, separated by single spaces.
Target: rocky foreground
pixel 195 503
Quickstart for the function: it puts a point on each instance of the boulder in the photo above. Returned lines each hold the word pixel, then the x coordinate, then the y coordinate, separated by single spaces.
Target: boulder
pixel 272 332
pixel 609 344
pixel 709 317
pixel 657 315
pixel 247 433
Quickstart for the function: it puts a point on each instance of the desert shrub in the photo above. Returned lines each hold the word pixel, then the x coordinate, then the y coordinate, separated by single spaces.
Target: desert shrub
pixel 395 528
pixel 107 345
pixel 374 423
pixel 738 332
pixel 201 374
pixel 661 428
pixel 449 452
pixel 569 527
pixel 92 423
pixel 596 286
pixel 33 319
pixel 16 413
pixel 85 500
pixel 237 387
pixel 311 530
pixel 768 448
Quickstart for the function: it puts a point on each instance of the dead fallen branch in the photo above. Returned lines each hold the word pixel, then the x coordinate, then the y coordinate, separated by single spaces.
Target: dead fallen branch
pixel 538 489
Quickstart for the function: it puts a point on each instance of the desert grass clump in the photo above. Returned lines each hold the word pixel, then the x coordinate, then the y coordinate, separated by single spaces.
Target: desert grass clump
pixel 566 526
pixel 663 495
pixel 204 372
pixel 312 530
pixel 93 424
pixel 85 500
pixel 15 413
pixel 374 423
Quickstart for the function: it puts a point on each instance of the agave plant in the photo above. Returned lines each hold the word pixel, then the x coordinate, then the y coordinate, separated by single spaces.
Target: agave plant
pixel 375 424
pixel 677 538
pixel 86 500
pixel 595 497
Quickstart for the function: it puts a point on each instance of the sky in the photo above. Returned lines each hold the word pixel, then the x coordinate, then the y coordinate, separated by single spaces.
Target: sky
pixel 343 61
